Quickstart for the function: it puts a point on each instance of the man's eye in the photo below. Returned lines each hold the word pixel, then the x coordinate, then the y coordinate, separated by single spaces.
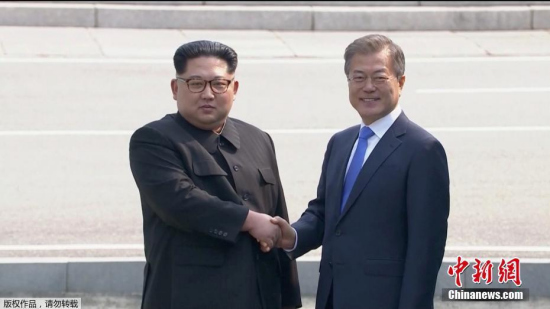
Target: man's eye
pixel 196 83
pixel 220 83
pixel 358 79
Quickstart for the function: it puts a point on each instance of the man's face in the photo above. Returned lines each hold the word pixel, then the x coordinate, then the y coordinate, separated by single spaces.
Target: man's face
pixel 206 109
pixel 373 87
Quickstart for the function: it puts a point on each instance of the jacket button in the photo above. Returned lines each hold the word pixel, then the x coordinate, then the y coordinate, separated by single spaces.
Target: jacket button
pixel 222 144
pixel 236 168
pixel 225 234
pixel 246 197
pixel 338 233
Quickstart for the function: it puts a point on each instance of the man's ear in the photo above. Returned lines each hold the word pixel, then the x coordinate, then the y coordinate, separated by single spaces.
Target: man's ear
pixel 401 81
pixel 174 86
pixel 235 87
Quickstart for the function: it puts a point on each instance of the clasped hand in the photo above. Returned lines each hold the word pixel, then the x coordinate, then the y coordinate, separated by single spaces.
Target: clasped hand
pixel 271 232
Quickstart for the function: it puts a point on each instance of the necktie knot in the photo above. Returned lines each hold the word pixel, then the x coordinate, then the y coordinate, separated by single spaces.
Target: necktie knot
pixel 365 133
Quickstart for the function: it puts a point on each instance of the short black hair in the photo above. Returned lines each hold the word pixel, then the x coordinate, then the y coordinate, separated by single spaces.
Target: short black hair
pixel 204 48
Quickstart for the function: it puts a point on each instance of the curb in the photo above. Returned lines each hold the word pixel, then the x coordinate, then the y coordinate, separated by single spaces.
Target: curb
pixel 125 276
pixel 296 18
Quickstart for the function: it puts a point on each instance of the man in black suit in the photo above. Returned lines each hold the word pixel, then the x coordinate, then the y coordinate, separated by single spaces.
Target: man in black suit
pixel 383 198
pixel 209 185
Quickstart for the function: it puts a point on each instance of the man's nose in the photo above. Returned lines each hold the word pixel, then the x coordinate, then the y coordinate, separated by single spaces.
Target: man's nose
pixel 207 93
pixel 369 85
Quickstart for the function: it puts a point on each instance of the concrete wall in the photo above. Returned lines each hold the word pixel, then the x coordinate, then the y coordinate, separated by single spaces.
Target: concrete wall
pixel 466 17
pixel 104 276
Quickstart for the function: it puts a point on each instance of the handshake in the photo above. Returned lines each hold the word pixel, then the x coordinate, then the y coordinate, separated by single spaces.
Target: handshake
pixel 270 231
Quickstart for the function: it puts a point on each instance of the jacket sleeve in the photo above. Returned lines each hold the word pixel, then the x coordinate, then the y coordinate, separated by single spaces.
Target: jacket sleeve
pixel 310 228
pixel 290 286
pixel 427 212
pixel 166 188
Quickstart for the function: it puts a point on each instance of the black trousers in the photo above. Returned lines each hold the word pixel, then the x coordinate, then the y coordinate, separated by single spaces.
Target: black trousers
pixel 330 301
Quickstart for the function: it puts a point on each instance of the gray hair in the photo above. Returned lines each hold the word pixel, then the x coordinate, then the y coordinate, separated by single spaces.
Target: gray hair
pixel 374 43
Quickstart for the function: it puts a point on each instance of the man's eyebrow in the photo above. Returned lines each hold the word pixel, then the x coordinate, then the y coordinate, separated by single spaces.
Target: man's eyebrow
pixel 200 77
pixel 375 72
pixel 379 71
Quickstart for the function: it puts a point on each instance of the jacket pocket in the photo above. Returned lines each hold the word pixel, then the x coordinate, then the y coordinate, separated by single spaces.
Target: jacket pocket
pixel 390 268
pixel 199 256
pixel 267 175
pixel 207 168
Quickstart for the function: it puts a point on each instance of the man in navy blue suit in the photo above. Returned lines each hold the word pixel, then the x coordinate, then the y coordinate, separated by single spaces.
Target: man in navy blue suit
pixel 383 197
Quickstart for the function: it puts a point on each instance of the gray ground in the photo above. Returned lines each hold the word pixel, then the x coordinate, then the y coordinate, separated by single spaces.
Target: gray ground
pixel 99 301
pixel 98 85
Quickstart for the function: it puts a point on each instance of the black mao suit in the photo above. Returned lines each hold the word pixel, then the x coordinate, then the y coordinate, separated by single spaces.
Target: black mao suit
pixel 384 251
pixel 196 188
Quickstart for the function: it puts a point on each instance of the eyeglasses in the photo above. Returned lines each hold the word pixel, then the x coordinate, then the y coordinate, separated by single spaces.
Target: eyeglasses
pixel 360 81
pixel 217 85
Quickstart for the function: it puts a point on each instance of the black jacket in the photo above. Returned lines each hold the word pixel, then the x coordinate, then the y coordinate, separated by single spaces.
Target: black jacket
pixel 196 189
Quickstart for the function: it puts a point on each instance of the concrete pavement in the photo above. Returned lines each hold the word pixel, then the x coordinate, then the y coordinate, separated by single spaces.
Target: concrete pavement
pixel 64 90
pixel 48 42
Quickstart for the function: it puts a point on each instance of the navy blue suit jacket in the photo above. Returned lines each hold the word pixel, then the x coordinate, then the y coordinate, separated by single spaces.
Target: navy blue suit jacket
pixel 385 249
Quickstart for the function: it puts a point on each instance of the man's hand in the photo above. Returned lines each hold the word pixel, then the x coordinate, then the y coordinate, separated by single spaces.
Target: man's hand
pixel 288 236
pixel 261 228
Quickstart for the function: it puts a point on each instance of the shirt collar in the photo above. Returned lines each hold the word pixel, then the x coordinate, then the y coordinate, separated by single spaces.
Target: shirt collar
pixel 382 125
pixel 231 134
pixel 209 139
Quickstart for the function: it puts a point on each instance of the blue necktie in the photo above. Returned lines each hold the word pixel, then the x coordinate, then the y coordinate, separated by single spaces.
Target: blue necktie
pixel 356 164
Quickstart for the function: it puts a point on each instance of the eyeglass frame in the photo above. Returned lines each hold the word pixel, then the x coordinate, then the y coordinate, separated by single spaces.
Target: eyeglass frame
pixel 373 82
pixel 209 82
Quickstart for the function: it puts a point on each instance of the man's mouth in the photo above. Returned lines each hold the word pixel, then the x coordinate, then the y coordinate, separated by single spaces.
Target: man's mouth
pixel 370 99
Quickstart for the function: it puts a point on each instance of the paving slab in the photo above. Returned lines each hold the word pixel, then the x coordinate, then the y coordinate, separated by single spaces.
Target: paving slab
pixel 47 14
pixel 422 18
pixel 201 17
pixel 138 43
pixel 541 17
pixel 48 41
pixel 249 44
pixel 510 43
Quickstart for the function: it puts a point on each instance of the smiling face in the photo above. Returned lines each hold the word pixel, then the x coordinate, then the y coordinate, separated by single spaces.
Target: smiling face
pixel 205 110
pixel 374 89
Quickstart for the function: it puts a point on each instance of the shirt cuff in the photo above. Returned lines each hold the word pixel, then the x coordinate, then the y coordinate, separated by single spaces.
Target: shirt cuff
pixel 295 243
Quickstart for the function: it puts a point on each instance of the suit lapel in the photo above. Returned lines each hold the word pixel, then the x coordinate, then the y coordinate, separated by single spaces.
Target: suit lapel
pixel 385 147
pixel 342 162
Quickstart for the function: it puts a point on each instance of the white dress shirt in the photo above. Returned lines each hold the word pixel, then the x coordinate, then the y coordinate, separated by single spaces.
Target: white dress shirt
pixel 379 127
